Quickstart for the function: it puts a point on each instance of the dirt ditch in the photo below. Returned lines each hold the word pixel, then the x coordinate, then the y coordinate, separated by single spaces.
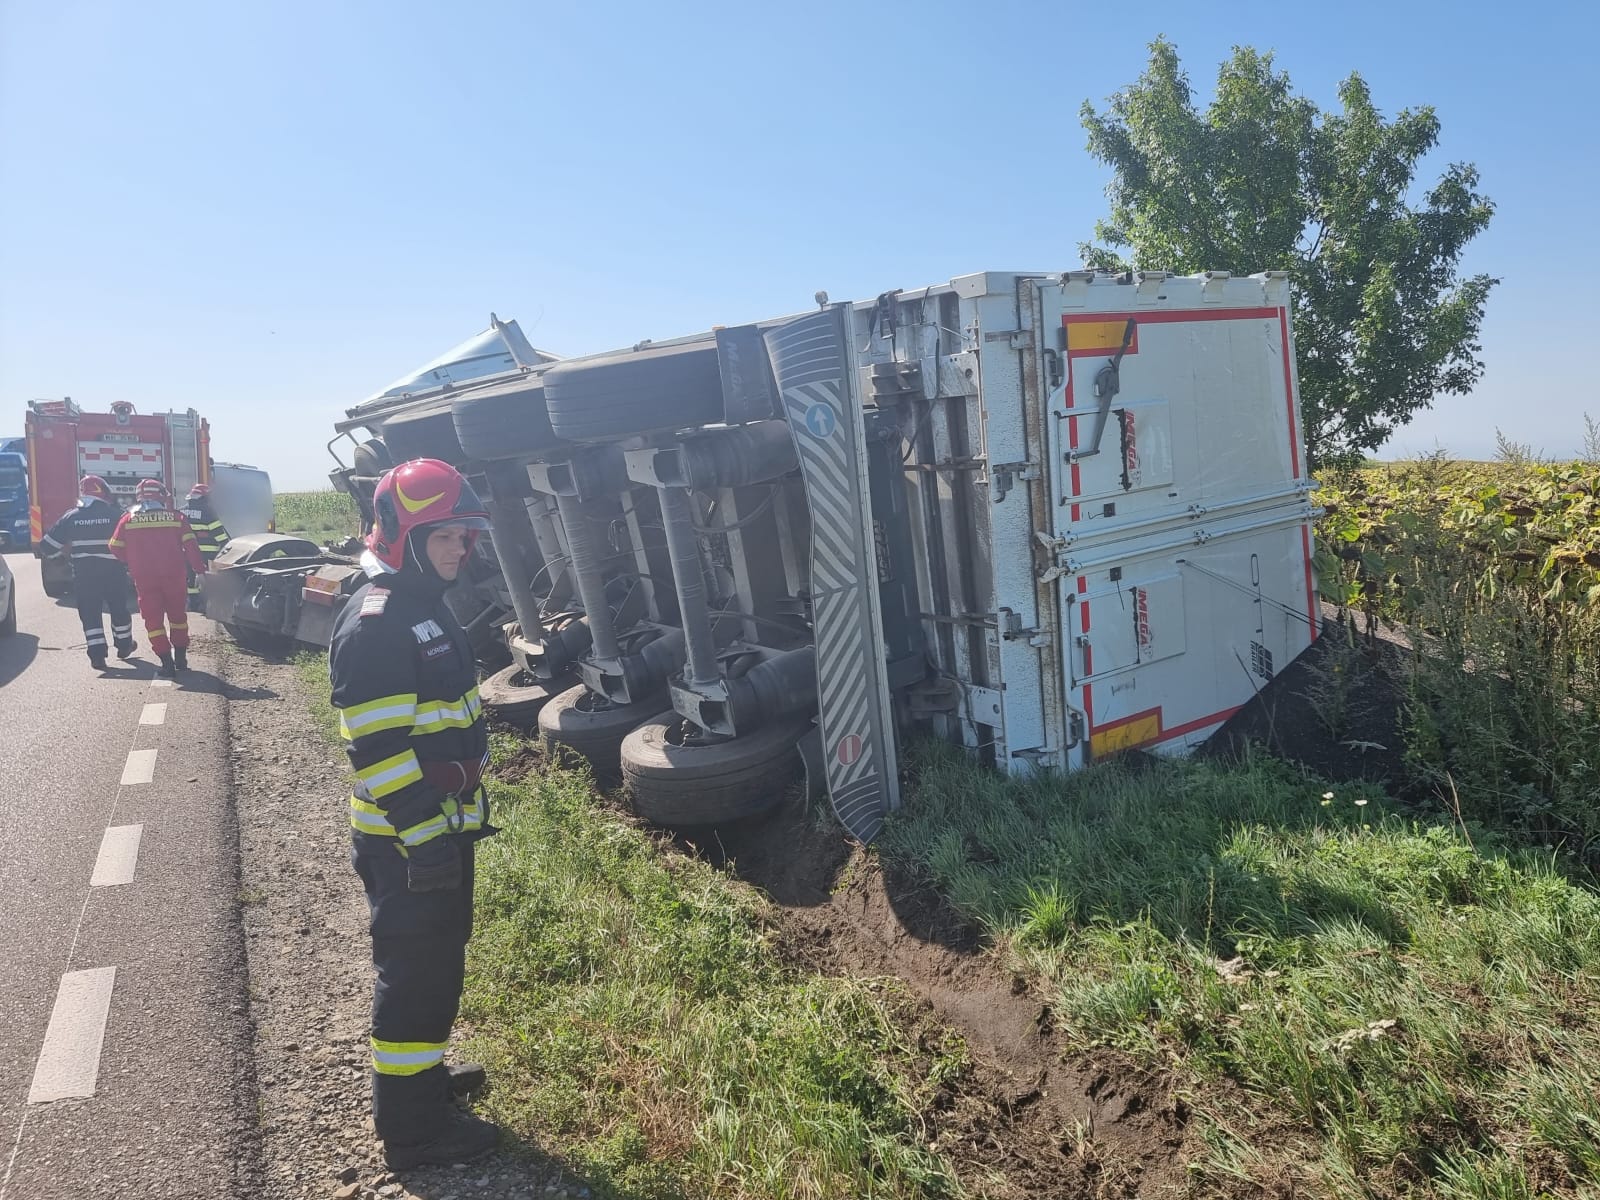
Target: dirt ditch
pixel 1032 1117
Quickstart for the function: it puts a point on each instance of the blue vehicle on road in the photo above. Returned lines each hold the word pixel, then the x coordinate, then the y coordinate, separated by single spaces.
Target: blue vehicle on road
pixel 13 501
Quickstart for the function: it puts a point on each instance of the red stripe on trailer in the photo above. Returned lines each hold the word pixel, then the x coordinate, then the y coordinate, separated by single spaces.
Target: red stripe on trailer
pixel 1176 316
pixel 1295 467
pixel 1128 720
pixel 1215 718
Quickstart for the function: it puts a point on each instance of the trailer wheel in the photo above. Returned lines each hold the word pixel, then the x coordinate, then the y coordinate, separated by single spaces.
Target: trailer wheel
pixel 682 782
pixel 508 421
pixel 658 388
pixel 582 723
pixel 430 433
pixel 514 696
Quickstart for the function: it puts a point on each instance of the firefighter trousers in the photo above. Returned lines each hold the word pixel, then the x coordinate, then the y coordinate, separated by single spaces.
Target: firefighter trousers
pixel 98 590
pixel 164 605
pixel 419 946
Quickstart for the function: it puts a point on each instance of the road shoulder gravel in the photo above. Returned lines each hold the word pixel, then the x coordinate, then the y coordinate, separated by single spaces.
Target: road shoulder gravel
pixel 305 925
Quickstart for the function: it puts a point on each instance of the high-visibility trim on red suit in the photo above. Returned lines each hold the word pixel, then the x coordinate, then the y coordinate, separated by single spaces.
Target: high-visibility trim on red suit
pixel 159 548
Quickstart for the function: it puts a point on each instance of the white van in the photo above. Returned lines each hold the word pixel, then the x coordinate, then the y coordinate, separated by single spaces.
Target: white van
pixel 242 497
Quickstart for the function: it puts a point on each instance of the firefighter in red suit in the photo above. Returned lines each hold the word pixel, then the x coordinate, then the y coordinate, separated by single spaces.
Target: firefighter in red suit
pixel 158 546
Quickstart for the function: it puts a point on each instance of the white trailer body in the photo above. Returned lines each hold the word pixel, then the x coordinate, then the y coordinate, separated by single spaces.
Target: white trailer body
pixel 1081 593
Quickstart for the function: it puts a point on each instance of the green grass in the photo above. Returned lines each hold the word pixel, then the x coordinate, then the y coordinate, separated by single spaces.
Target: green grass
pixel 312 668
pixel 1348 1000
pixel 1385 1008
pixel 640 1024
pixel 323 516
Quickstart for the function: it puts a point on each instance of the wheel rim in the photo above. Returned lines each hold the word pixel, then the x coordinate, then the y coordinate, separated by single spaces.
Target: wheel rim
pixel 686 735
pixel 593 703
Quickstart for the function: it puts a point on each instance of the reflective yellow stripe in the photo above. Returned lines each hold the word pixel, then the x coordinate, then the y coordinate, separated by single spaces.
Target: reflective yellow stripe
pixel 424 831
pixel 389 776
pixel 386 712
pixel 434 715
pixel 405 1058
pixel 369 818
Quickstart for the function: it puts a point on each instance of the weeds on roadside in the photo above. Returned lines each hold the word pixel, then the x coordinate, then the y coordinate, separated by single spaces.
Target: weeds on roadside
pixel 1493 571
pixel 1398 1011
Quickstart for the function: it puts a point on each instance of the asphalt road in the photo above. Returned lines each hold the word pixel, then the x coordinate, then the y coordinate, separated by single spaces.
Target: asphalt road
pixel 149 955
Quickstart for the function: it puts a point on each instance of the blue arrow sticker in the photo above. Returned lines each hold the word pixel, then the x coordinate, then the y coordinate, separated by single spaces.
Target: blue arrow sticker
pixel 820 421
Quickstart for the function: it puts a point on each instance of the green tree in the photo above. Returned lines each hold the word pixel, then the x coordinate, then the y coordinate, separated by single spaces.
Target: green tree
pixel 1261 180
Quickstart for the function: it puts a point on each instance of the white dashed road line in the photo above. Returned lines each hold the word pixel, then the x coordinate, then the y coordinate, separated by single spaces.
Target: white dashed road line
pixel 119 855
pixel 140 767
pixel 69 1064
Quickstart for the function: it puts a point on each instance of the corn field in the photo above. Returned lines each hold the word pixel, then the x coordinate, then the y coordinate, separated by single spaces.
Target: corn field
pixel 323 516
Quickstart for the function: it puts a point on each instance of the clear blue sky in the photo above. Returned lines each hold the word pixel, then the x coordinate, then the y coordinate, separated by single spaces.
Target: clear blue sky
pixel 267 211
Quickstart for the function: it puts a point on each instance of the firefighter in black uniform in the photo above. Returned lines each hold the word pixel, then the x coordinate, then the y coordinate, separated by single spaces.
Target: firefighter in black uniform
pixel 209 531
pixel 99 581
pixel 405 687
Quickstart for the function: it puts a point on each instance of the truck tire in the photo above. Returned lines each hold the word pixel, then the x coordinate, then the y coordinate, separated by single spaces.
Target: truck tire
pixel 506 421
pixel 513 696
pixel 682 785
pixel 657 388
pixel 429 433
pixel 579 722
pixel 372 458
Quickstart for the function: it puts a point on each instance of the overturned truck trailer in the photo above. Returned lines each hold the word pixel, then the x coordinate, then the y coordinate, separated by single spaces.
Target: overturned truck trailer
pixel 1048 517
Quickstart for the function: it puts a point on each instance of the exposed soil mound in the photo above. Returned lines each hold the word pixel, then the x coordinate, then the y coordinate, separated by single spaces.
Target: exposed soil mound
pixel 1339 709
pixel 1030 1116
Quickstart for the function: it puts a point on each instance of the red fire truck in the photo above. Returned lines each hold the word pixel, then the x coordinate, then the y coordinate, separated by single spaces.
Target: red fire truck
pixel 121 446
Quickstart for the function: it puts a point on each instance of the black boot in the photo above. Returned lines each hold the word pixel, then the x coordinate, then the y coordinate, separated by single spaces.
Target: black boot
pixel 181 654
pixel 466 1078
pixel 166 670
pixel 126 647
pixel 462 1137
pixel 98 661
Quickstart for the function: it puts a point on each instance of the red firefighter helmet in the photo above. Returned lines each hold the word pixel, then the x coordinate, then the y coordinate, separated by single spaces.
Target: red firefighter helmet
pixel 150 489
pixel 93 485
pixel 198 490
pixel 417 494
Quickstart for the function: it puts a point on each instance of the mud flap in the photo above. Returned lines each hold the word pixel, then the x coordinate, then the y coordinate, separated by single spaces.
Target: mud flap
pixel 811 363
